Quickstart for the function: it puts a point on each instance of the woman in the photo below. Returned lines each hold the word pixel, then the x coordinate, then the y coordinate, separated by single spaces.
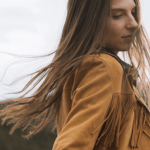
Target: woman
pixel 92 95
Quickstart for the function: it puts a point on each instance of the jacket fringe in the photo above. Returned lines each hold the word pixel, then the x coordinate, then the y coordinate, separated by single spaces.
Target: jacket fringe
pixel 141 117
pixel 122 105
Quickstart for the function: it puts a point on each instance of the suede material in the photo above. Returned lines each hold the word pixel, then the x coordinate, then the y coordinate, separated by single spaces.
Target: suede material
pixel 94 112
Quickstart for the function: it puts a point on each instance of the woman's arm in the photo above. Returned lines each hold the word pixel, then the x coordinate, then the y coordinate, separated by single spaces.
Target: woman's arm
pixel 91 101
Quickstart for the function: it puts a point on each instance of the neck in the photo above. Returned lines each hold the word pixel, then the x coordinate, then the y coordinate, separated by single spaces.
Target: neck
pixel 110 50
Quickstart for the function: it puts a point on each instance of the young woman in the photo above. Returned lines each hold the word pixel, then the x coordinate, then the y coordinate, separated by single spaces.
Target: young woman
pixel 89 94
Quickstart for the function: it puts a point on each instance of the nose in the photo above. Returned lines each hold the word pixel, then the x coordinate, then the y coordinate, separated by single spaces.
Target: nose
pixel 132 23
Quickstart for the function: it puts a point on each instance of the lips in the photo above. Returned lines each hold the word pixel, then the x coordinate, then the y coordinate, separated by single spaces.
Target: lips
pixel 127 39
pixel 128 36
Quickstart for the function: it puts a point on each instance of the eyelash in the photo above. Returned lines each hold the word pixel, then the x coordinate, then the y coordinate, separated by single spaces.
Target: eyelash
pixel 117 17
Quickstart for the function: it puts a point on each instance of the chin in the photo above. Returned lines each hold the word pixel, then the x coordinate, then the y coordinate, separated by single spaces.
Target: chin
pixel 124 49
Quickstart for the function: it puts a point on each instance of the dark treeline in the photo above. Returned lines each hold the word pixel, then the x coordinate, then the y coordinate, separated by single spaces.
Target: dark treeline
pixel 41 141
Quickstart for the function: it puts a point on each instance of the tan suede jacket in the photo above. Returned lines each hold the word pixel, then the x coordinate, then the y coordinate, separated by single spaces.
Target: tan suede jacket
pixel 95 114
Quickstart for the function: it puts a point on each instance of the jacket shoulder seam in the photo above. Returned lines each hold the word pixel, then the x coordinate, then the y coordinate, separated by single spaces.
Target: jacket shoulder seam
pixel 106 65
pixel 110 73
pixel 112 77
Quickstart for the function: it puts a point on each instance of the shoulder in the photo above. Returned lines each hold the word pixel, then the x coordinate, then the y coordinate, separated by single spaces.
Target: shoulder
pixel 113 64
pixel 108 65
pixel 107 60
pixel 102 66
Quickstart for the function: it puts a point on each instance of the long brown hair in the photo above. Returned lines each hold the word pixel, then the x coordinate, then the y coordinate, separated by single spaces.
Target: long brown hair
pixel 85 32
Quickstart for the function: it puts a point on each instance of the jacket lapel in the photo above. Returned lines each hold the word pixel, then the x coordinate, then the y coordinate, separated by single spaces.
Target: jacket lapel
pixel 126 65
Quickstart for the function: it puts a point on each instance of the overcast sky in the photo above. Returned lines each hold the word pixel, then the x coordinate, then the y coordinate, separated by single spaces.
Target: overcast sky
pixel 33 27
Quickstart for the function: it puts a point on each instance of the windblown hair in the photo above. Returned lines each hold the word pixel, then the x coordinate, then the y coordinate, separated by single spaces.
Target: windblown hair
pixel 85 32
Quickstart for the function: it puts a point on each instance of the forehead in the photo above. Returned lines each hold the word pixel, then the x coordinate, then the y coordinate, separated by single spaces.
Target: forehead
pixel 123 4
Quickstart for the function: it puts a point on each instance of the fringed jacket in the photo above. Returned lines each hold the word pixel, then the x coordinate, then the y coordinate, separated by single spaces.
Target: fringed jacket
pixel 95 113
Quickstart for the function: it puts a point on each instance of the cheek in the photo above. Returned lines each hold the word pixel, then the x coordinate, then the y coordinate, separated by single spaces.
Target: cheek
pixel 116 32
pixel 116 29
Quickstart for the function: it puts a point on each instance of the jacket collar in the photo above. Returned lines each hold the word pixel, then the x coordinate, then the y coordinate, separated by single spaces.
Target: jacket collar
pixel 126 65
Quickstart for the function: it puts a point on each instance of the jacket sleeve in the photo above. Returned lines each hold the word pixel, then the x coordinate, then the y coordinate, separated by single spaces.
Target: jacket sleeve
pixel 91 99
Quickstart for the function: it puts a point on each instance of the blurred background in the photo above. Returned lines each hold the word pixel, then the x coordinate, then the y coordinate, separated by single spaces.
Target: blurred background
pixel 32 28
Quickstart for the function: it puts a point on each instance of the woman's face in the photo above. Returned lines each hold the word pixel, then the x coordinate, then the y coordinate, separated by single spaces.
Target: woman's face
pixel 122 24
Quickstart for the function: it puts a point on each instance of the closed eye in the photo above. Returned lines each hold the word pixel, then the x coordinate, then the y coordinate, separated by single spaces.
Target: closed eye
pixel 117 17
pixel 123 10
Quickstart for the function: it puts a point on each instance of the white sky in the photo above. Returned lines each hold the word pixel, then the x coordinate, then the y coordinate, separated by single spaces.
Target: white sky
pixel 33 27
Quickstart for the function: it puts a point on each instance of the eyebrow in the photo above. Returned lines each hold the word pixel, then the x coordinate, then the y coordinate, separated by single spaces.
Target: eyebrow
pixel 121 9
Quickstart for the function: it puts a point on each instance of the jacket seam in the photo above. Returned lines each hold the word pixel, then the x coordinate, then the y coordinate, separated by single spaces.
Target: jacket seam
pixel 108 69
pixel 109 72
pixel 105 64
